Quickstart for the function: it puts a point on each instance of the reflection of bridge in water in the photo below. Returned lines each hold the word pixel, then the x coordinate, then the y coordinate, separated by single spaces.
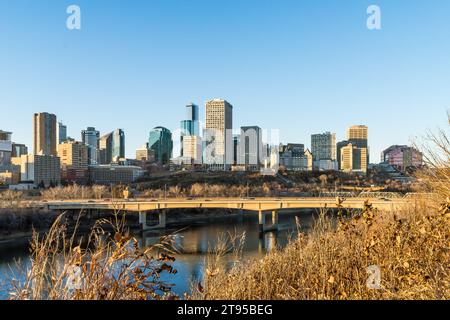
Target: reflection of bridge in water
pixel 260 205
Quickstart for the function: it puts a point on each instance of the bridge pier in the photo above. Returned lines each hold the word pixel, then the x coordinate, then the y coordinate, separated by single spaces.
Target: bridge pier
pixel 261 221
pixel 162 217
pixel 143 220
pixel 275 220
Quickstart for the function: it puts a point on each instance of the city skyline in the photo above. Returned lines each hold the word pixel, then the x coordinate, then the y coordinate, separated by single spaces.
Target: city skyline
pixel 300 67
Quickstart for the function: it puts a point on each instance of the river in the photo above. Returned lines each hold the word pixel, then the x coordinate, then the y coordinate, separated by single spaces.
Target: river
pixel 195 239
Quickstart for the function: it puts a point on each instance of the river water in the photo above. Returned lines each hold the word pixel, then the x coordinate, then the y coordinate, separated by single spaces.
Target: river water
pixel 195 239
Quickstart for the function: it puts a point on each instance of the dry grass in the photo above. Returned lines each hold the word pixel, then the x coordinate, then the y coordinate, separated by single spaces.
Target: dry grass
pixel 411 249
pixel 102 267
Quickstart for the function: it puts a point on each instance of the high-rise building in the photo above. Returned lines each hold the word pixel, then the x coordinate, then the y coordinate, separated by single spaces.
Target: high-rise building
pixel 189 126
pixel 323 149
pixel 44 134
pixel 251 147
pixel 323 146
pixel 112 147
pixel 74 161
pixel 353 159
pixel 160 141
pixel 91 137
pixel 192 146
pixel 118 145
pixel 218 134
pixel 358 136
pixel 61 132
pixel 5 149
pixel 105 149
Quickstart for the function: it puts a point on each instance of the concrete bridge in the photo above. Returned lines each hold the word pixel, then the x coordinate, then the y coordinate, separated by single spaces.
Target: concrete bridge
pixel 260 205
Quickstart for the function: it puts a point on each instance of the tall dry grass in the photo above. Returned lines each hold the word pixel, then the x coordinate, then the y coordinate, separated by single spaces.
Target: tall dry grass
pixel 105 266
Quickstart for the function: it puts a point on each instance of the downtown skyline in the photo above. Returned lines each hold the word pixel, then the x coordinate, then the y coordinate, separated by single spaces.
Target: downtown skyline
pixel 302 68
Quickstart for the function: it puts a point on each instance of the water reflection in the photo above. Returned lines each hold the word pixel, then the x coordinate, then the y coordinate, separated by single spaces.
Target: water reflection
pixel 192 241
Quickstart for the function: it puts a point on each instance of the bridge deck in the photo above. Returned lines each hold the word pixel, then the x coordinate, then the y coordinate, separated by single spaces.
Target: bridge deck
pixel 257 204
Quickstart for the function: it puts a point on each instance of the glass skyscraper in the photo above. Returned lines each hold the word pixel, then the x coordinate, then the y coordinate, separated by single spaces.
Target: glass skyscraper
pixel 160 141
pixel 190 126
pixel 91 137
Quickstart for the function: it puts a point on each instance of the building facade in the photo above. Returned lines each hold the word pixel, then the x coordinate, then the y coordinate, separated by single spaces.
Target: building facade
pixel 19 150
pixel 160 141
pixel 45 134
pixel 353 159
pixel 323 146
pixel 74 161
pixel 40 170
pixel 145 154
pixel 251 147
pixel 5 149
pixel 114 174
pixel 61 132
pixel 218 136
pixel 402 157
pixel 192 146
pixel 91 138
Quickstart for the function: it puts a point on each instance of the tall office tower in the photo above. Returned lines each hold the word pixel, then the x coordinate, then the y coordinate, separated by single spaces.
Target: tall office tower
pixel 61 132
pixel 251 146
pixel 19 150
pixel 353 159
pixel 218 134
pixel 5 149
pixel 339 146
pixel 105 149
pixel 190 126
pixel 91 137
pixel 44 134
pixel 112 147
pixel 323 146
pixel 192 146
pixel 74 161
pixel 358 136
pixel 118 145
pixel 160 141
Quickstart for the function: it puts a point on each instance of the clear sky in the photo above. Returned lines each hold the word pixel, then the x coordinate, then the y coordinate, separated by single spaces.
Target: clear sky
pixel 302 67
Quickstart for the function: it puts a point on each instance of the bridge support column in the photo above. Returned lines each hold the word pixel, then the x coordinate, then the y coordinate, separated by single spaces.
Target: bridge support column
pixel 261 220
pixel 162 219
pixel 143 220
pixel 275 220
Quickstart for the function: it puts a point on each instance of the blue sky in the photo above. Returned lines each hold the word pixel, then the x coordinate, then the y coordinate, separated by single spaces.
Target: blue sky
pixel 302 67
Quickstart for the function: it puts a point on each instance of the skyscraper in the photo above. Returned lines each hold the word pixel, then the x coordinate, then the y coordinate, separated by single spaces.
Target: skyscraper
pixel 251 146
pixel 91 137
pixel 105 149
pixel 218 134
pixel 74 161
pixel 323 146
pixel 353 159
pixel 358 136
pixel 61 132
pixel 189 126
pixel 160 141
pixel 118 145
pixel 112 147
pixel 44 134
